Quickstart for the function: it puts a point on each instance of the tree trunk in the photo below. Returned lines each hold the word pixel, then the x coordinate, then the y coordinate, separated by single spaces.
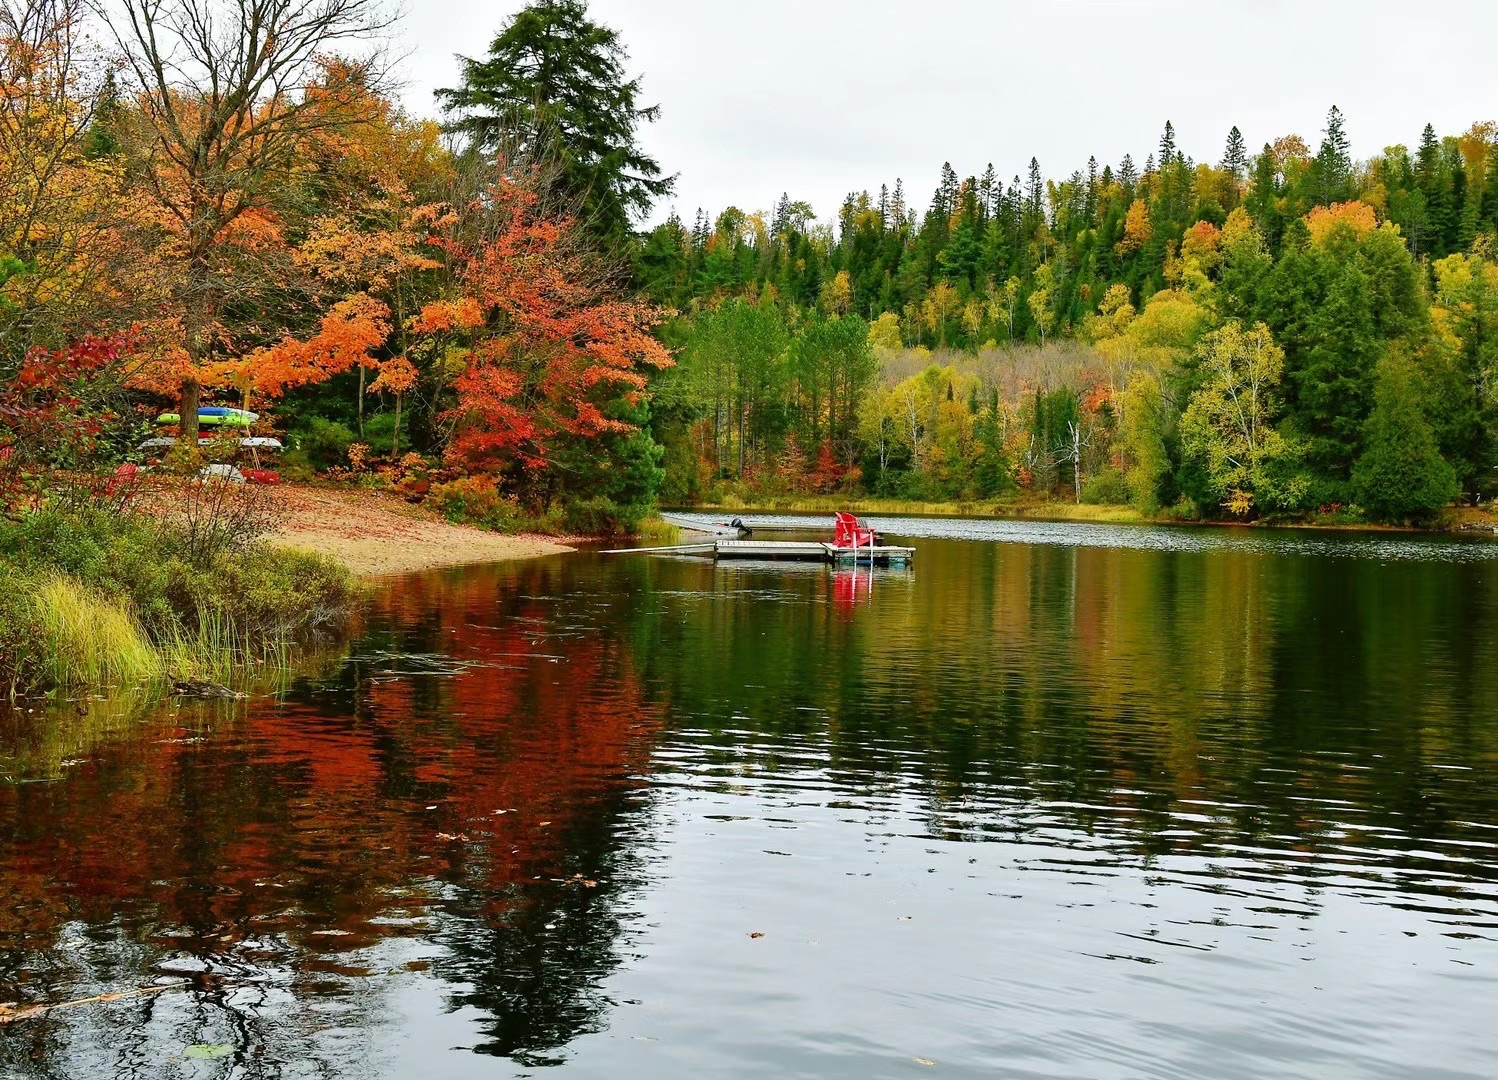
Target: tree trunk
pixel 187 410
pixel 1076 460
pixel 362 370
pixel 395 445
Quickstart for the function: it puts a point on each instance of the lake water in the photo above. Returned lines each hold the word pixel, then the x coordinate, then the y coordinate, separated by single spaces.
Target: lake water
pixel 1061 801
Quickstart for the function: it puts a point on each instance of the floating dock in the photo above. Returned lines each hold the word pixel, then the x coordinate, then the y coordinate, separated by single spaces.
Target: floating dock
pixel 785 550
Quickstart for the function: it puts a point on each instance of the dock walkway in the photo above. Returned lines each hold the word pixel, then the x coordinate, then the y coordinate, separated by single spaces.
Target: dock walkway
pixel 783 550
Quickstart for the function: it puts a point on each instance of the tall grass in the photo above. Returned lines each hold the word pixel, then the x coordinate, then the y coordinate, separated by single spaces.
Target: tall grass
pixel 656 530
pixel 218 650
pixel 94 599
pixel 58 633
pixel 85 639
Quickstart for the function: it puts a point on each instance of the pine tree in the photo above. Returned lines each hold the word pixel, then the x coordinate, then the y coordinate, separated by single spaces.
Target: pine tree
pixel 1262 201
pixel 553 89
pixel 1333 162
pixel 1435 184
pixel 1401 475
pixel 1090 207
pixel 986 189
pixel 1167 145
pixel 1035 189
pixel 946 194
pixel 780 222
pixel 1127 175
pixel 1234 156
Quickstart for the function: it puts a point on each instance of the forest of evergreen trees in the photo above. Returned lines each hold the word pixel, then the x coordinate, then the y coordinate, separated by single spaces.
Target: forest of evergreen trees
pixel 1272 333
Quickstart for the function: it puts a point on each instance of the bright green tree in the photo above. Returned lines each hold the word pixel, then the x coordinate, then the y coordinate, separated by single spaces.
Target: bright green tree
pixel 1228 429
pixel 1401 474
pixel 1466 317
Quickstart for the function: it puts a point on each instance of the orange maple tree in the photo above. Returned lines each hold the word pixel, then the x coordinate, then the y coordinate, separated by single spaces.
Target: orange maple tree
pixel 354 328
pixel 542 337
pixel 397 376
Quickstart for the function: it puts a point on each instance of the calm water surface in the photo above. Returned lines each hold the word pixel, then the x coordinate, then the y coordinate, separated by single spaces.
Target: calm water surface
pixel 1064 801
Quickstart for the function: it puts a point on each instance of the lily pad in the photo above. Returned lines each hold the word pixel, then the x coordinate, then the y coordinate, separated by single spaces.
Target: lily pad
pixel 208 1051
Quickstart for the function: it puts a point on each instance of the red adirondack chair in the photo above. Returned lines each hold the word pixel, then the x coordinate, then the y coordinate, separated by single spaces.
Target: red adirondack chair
pixel 848 532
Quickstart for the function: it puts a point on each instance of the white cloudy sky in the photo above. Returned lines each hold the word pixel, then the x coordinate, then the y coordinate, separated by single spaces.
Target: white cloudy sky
pixel 820 97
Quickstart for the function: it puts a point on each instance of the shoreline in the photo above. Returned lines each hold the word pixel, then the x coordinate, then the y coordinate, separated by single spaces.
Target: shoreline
pixel 1458 521
pixel 377 535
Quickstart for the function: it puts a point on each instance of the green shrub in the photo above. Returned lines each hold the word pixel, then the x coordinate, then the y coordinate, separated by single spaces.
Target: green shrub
pixel 600 516
pixel 476 500
pixel 324 442
pixel 1110 487
pixel 379 433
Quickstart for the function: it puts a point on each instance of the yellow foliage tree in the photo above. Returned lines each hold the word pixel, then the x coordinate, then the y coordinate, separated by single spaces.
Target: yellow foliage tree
pixel 1137 229
pixel 1359 216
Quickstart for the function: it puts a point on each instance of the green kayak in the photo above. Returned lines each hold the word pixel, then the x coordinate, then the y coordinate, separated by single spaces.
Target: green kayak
pixel 214 417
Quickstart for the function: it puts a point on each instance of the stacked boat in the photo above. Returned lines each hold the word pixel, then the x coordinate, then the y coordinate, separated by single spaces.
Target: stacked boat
pixel 215 416
pixel 251 469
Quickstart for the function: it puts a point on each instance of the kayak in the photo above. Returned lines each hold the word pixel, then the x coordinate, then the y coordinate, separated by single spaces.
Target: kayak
pixel 214 416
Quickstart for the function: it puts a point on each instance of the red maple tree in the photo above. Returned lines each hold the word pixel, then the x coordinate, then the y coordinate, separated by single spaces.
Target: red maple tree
pixel 543 336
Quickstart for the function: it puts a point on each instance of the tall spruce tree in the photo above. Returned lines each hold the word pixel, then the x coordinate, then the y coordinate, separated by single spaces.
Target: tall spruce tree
pixel 1435 184
pixel 1234 156
pixel 553 88
pixel 1401 475
pixel 1334 162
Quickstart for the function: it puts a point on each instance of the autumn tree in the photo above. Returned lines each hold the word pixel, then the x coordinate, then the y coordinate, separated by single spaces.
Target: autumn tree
pixel 543 340
pixel 397 376
pixel 227 95
pixel 60 207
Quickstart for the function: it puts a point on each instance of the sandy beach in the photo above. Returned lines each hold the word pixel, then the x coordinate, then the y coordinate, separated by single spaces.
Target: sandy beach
pixel 376 534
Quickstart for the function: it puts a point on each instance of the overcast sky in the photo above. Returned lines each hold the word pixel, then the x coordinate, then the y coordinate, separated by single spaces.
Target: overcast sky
pixel 822 97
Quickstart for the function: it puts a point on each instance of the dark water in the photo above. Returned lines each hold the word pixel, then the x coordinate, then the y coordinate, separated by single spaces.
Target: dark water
pixel 1065 802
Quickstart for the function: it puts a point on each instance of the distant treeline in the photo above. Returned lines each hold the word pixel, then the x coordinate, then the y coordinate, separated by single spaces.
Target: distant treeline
pixel 1274 333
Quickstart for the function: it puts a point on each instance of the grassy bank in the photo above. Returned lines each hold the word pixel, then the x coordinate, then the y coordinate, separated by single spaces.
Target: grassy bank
pixel 89 598
pixel 1039 509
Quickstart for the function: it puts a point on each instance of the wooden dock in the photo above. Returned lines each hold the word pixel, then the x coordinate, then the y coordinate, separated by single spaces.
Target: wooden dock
pixel 785 550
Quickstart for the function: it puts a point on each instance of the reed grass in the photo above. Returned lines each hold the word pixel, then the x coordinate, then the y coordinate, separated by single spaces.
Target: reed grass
pixel 657 530
pixel 62 635
pixel 93 599
pixel 86 639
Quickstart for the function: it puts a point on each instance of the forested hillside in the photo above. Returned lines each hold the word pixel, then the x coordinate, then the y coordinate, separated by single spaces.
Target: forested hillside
pixel 1273 332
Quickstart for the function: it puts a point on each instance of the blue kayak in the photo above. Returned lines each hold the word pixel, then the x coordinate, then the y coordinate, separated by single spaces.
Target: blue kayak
pixel 215 416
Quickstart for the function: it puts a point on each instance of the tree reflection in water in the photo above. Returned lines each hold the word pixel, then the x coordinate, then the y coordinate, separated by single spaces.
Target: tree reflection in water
pixel 455 840
pixel 452 800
